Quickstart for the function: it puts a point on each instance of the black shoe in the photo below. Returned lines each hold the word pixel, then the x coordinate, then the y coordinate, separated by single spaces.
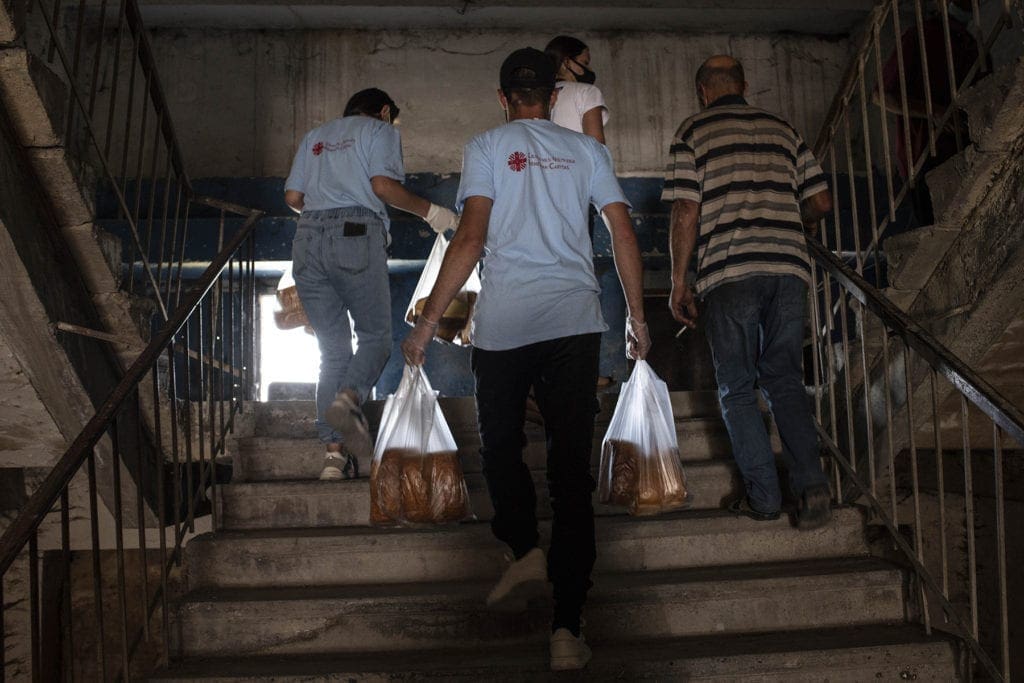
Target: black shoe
pixel 741 506
pixel 815 508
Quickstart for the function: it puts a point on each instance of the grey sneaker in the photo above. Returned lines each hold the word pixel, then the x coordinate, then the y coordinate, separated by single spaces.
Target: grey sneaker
pixel 567 651
pixel 524 580
pixel 345 416
pixel 334 466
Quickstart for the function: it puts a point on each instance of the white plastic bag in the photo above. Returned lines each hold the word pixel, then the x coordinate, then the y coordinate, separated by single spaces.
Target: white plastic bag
pixel 454 324
pixel 416 476
pixel 640 466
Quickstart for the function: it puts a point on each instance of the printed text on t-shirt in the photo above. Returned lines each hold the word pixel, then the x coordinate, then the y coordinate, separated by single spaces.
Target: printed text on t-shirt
pixel 321 147
pixel 518 161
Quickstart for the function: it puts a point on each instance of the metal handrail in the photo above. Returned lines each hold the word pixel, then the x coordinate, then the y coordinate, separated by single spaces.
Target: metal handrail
pixel 847 420
pixel 856 86
pixel 82 104
pixel 16 537
pixel 979 392
pixel 874 366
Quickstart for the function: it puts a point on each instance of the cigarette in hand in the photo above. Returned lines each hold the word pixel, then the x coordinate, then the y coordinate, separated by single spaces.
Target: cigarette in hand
pixel 680 332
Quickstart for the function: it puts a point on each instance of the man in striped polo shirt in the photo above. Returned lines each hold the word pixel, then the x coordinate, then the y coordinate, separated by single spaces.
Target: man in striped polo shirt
pixel 746 178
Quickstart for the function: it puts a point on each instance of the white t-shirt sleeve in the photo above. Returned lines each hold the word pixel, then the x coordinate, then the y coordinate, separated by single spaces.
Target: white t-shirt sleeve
pixel 477 173
pixel 296 179
pixel 604 186
pixel 385 153
pixel 589 97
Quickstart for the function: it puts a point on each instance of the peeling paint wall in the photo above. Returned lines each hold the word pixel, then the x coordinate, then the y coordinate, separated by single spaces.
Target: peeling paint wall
pixel 242 100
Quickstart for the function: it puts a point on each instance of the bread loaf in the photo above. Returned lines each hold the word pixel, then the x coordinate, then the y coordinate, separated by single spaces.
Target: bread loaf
pixel 386 487
pixel 448 495
pixel 646 484
pixel 455 321
pixel 292 314
pixel 407 487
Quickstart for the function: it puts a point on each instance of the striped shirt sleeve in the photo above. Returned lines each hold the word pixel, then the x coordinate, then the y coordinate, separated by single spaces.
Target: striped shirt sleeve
pixel 681 181
pixel 810 178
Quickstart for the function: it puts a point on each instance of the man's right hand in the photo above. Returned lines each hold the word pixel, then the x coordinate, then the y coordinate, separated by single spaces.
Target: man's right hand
pixel 683 305
pixel 638 339
pixel 414 347
pixel 441 219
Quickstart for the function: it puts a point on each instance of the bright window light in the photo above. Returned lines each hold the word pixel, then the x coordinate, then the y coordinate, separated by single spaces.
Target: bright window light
pixel 285 355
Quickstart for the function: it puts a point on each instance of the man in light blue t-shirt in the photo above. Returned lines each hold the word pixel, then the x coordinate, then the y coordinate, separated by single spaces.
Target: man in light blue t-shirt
pixel 344 175
pixel 526 187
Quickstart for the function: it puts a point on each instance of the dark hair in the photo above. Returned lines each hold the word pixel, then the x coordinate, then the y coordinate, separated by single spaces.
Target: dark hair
pixel 721 76
pixel 562 48
pixel 529 97
pixel 369 102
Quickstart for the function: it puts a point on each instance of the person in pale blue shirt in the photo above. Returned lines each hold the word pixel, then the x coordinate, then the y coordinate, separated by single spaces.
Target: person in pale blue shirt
pixel 526 187
pixel 345 174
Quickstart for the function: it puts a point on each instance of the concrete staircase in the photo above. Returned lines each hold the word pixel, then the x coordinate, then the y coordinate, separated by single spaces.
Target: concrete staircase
pixel 296 586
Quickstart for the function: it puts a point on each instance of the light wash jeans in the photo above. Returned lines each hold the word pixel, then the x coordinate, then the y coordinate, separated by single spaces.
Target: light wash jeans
pixel 755 328
pixel 340 276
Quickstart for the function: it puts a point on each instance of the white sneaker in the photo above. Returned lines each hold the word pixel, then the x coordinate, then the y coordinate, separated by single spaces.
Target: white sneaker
pixel 345 416
pixel 524 580
pixel 334 466
pixel 567 651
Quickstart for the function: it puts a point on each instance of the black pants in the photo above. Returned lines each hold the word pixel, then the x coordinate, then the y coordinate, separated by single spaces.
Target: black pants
pixel 563 373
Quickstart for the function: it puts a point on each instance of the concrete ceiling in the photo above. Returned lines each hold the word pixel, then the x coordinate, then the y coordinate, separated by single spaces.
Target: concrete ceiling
pixel 821 17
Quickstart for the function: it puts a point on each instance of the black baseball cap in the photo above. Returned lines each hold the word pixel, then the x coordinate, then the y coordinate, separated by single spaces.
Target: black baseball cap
pixel 527 68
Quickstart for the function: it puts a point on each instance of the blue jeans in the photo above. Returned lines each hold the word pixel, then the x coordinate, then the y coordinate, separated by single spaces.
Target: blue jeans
pixel 340 275
pixel 755 328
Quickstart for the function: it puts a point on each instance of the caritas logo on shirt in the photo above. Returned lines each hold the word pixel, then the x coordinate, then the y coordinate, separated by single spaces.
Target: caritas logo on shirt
pixel 518 161
pixel 321 147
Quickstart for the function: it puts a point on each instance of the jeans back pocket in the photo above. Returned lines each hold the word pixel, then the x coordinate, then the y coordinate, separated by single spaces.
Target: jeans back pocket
pixel 350 253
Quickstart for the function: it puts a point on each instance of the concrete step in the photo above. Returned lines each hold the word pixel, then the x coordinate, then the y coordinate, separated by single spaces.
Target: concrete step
pixel 848 655
pixel 651 604
pixel 886 653
pixel 274 458
pixel 913 255
pixel 295 418
pixel 314 503
pixel 316 557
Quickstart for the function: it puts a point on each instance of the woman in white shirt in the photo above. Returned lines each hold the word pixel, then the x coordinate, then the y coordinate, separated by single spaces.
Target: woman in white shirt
pixel 580 106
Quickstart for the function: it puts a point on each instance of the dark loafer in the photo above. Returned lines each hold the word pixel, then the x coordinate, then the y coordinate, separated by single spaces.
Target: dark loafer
pixel 815 509
pixel 741 506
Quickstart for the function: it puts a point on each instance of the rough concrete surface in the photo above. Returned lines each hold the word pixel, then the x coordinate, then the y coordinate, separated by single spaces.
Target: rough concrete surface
pixel 269 87
pixel 30 92
pixel 912 255
pixel 848 655
pixel 309 557
pixel 642 605
pixel 28 435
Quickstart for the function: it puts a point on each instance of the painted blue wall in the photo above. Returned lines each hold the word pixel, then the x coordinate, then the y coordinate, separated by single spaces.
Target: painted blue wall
pixel 448 366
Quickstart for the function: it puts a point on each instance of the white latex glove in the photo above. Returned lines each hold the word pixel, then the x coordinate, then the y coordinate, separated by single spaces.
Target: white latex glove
pixel 638 339
pixel 441 219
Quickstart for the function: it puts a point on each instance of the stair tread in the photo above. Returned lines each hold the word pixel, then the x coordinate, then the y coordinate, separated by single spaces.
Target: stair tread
pixel 606 586
pixel 684 522
pixel 472 478
pixel 532 662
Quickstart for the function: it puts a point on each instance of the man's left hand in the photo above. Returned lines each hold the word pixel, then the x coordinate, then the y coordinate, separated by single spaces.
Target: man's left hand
pixel 414 346
pixel 683 305
pixel 638 339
